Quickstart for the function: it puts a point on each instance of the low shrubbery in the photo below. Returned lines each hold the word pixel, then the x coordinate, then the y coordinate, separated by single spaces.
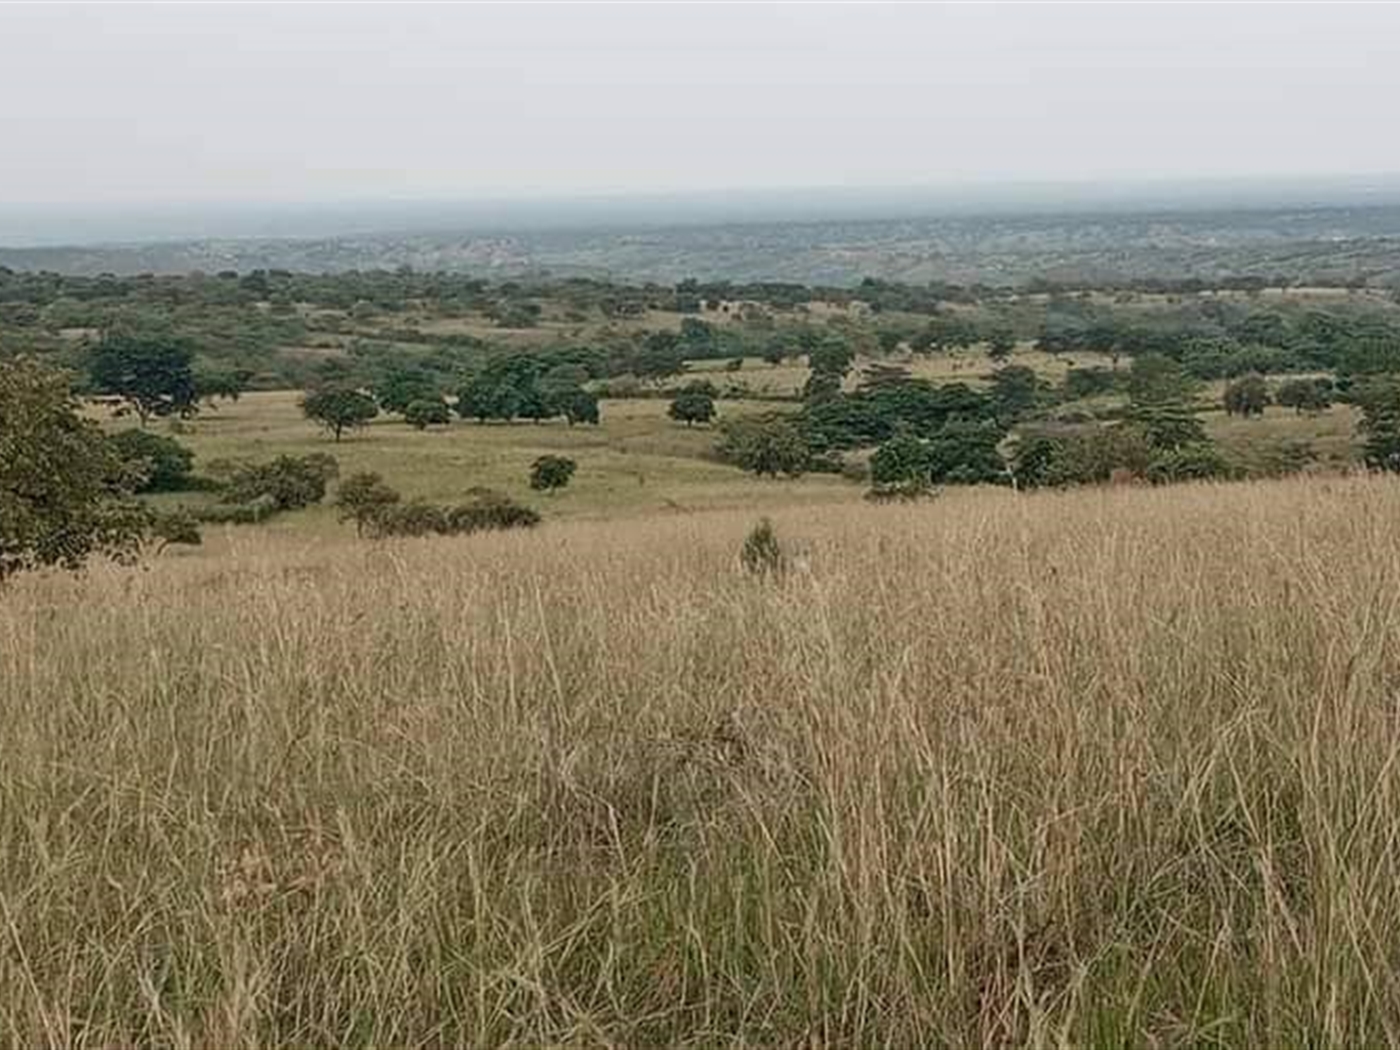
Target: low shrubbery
pixel 378 510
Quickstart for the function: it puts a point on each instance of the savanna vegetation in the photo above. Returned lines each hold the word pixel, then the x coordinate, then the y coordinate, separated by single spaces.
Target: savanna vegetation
pixel 565 661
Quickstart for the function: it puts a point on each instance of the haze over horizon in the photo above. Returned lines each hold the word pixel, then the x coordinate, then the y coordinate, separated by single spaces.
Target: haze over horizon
pixel 132 106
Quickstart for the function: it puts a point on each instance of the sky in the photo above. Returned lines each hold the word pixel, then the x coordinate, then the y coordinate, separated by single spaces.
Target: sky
pixel 117 104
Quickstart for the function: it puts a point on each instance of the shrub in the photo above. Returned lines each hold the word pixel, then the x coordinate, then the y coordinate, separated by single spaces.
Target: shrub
pixel 362 497
pixel 551 472
pixel 1195 462
pixel 762 554
pixel 176 527
pixel 289 482
pixel 254 511
pixel 485 510
pixel 158 464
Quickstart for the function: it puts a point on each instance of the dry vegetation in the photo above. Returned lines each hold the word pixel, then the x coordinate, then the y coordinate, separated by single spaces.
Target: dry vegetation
pixel 1100 768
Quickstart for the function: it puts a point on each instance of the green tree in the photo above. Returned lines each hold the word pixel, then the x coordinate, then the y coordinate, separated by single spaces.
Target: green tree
pixel 64 490
pixel 400 387
pixel 692 405
pixel 1378 398
pixel 363 498
pixel 1015 391
pixel 1305 395
pixel 151 376
pixel 1168 425
pixel 901 461
pixel 339 408
pixel 832 356
pixel 578 406
pixel 765 446
pixel 423 414
pixel 1157 379
pixel 1248 396
pixel 551 472
pixel 156 463
pixel 1001 343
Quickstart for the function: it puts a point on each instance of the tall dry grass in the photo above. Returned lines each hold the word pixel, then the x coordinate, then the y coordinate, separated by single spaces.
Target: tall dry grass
pixel 1108 768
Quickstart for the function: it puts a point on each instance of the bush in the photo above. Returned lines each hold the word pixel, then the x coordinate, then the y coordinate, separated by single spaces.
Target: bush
pixel 289 482
pixel 363 497
pixel 1196 462
pixel 176 527
pixel 253 512
pixel 157 464
pixel 762 554
pixel 486 510
pixel 551 472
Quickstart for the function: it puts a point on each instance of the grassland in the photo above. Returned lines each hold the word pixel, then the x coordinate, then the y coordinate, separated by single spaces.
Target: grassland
pixel 636 462
pixel 1110 767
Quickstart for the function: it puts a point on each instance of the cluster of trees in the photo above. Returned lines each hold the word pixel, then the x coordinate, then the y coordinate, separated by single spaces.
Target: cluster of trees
pixel 1159 438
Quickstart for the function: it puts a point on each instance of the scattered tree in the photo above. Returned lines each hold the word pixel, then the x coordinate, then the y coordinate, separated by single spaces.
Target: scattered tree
pixel 1001 344
pixel 422 414
pixel 1305 395
pixel 151 376
pixel 694 404
pixel 578 405
pixel 1247 397
pixel 339 408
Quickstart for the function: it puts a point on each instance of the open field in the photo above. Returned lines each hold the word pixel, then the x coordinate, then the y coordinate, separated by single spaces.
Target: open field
pixel 1109 767
pixel 637 461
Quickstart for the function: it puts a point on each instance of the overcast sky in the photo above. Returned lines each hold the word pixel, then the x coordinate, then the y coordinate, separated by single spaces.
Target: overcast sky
pixel 116 103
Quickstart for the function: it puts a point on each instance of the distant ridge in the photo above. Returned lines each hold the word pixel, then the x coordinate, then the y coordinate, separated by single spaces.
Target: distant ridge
pixel 58 225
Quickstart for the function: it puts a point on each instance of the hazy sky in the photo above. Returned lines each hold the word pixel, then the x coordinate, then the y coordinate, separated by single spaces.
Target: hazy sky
pixel 117 103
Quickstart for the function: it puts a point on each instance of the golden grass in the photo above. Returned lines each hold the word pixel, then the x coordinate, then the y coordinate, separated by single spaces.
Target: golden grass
pixel 1101 768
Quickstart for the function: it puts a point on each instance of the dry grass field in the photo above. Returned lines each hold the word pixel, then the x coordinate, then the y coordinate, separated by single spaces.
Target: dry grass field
pixel 1101 768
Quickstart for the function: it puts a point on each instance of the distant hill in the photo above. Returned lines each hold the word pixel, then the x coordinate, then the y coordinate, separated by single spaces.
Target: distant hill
pixel 1360 242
